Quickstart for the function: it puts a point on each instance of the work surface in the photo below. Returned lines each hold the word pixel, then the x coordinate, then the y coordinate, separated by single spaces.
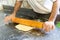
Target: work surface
pixel 8 32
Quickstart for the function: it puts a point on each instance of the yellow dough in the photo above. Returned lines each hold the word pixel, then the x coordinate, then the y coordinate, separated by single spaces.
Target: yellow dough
pixel 23 27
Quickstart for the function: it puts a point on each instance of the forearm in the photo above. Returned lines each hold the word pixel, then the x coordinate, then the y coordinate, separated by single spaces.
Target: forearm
pixel 53 12
pixel 17 6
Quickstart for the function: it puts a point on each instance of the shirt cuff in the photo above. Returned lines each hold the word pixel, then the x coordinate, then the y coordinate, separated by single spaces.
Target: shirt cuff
pixel 19 0
pixel 54 0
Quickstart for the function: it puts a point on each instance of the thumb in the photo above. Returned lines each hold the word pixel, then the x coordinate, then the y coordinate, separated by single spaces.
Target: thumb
pixel 53 27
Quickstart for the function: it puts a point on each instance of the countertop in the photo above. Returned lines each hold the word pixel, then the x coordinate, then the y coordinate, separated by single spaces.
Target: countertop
pixel 9 32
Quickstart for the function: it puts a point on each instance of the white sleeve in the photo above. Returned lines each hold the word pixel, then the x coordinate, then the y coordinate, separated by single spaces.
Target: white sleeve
pixel 53 0
pixel 19 0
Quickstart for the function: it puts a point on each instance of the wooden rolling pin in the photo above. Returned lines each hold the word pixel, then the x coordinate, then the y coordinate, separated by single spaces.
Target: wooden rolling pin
pixel 28 22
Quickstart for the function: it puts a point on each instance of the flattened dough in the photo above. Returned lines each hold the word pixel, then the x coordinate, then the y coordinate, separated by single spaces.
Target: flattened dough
pixel 23 27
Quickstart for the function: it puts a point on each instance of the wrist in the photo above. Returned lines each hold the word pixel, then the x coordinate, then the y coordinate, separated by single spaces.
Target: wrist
pixel 13 13
pixel 51 20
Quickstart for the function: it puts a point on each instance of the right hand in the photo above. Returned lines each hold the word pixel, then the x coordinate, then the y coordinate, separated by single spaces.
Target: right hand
pixel 48 26
pixel 8 18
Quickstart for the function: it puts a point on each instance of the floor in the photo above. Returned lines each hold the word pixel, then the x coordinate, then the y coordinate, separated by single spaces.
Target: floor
pixel 8 32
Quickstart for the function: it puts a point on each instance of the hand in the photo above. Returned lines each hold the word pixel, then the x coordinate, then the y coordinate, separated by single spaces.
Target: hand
pixel 8 18
pixel 48 26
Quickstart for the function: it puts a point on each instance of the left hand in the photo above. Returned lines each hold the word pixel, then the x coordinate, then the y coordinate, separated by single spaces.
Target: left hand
pixel 8 18
pixel 48 26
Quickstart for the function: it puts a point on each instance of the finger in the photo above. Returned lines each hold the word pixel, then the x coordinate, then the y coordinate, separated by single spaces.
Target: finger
pixel 44 26
pixel 47 29
pixel 50 27
pixel 6 19
pixel 53 27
